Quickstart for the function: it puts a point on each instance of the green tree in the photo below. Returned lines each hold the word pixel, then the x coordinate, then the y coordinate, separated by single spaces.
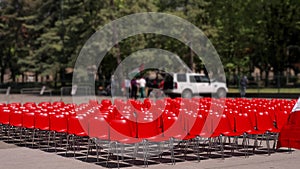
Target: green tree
pixel 17 36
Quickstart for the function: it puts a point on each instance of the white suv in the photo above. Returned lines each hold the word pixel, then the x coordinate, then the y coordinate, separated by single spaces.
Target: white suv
pixel 189 84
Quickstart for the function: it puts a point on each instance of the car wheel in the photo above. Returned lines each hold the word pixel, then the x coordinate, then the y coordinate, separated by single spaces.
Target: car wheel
pixel 221 93
pixel 187 93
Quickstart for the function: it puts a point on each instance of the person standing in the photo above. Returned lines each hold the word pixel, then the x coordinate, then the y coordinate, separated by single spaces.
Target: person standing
pixel 127 88
pixel 113 85
pixel 142 84
pixel 243 86
pixel 134 87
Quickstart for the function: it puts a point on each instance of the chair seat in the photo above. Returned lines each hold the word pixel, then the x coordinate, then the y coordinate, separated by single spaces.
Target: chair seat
pixel 81 134
pixel 61 131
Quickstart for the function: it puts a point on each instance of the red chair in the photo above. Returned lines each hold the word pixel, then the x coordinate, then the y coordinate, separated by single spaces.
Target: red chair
pixel 173 127
pixel 265 122
pixel 146 124
pixel 77 125
pixel 77 128
pixel 29 104
pixel 140 126
pixel 2 104
pixel 105 106
pixel 266 125
pixel 42 126
pixel 281 118
pixel 42 121
pixel 58 125
pixel 221 127
pixel 58 104
pixel 28 124
pixel 14 104
pixel 251 113
pixel 121 132
pixel 98 131
pixel 148 103
pixel 44 104
pixel 151 132
pixel 4 118
pixel 106 103
pixel 195 132
pixel 244 124
pixel 197 128
pixel 16 122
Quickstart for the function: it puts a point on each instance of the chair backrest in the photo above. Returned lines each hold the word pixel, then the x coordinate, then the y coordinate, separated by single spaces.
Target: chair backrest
pixel 76 125
pixel 2 104
pixel 148 103
pixel 98 127
pixel 198 125
pixel 222 124
pixel 281 118
pixel 136 104
pixel 58 123
pixel 121 129
pixel 148 128
pixel 16 118
pixel 58 104
pixel 251 113
pixel 14 104
pixel 264 121
pixel 41 120
pixel 106 102
pixel 172 126
pixel 28 120
pixel 231 115
pixel 44 104
pixel 208 126
pixel 4 115
pixel 29 104
pixel 243 123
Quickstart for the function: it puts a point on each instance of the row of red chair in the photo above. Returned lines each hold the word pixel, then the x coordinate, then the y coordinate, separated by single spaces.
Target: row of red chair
pixel 113 111
pixel 134 121
pixel 131 113
pixel 189 119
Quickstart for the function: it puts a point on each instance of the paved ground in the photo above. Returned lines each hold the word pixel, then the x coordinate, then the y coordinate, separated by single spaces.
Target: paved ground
pixel 18 157
pixel 36 98
pixel 13 157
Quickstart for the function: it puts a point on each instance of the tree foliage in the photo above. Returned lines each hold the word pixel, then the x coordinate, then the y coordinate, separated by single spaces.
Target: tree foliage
pixel 45 37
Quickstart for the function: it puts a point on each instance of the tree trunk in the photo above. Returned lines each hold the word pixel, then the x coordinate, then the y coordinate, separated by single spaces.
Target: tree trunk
pixel 36 76
pixel 55 79
pixel 2 75
pixel 62 77
pixel 267 79
pixel 13 75
pixel 23 78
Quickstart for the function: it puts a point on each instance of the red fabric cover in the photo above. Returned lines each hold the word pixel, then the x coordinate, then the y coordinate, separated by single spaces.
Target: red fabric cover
pixel 289 135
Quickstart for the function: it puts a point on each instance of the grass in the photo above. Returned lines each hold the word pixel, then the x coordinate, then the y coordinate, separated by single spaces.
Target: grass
pixel 268 90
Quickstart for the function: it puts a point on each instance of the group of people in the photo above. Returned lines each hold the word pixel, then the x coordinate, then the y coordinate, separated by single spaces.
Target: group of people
pixel 135 87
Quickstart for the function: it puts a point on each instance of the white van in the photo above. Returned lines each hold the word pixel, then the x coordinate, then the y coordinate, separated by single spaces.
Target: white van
pixel 189 84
